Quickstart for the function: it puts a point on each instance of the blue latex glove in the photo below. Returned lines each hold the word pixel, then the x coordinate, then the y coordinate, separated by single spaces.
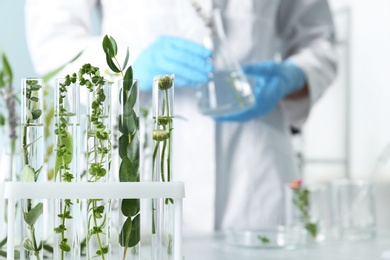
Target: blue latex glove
pixel 273 81
pixel 189 61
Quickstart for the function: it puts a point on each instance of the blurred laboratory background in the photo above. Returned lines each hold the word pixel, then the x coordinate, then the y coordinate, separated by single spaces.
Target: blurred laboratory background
pixel 348 131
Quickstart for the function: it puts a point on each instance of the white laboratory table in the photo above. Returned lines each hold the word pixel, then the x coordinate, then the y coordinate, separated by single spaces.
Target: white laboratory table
pixel 213 247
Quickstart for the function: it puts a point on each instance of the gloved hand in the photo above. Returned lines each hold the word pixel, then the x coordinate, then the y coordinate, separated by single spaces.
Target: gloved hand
pixel 273 81
pixel 189 61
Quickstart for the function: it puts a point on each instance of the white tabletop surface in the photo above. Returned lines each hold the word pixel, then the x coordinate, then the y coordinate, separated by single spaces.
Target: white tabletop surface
pixel 213 247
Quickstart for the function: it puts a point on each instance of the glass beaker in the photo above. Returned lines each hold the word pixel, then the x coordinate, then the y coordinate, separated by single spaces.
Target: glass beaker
pixel 353 210
pixel 228 91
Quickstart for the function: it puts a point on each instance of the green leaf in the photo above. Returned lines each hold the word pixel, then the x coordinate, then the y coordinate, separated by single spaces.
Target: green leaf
pixel 132 151
pixel 129 171
pixel 28 174
pixel 28 245
pixel 107 47
pixel 7 69
pixel 263 239
pixel 130 207
pixel 32 216
pixel 37 173
pixel 111 64
pixel 16 254
pixel 128 79
pixel 2 120
pixel 2 83
pixel 114 46
pixel 48 247
pixel 123 141
pixel 126 59
pixel 66 158
pixel 124 235
pixel 130 233
pixel 36 113
pixel 64 246
pixel 135 235
pixel 3 242
pixel 128 123
pixel 133 97
pixel 103 251
pixel 312 229
pixel 34 99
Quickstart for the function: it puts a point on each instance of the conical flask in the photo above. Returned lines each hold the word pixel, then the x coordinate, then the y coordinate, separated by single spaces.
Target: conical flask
pixel 228 91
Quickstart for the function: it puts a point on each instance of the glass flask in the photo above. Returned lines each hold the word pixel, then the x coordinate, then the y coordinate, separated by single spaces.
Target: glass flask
pixel 228 91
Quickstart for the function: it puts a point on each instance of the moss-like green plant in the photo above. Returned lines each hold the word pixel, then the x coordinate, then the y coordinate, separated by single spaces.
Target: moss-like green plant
pixel 64 156
pixel 99 154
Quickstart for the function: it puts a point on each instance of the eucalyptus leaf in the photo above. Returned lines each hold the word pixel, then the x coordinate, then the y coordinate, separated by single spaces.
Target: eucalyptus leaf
pixel 114 46
pixel 130 207
pixel 123 141
pixel 128 123
pixel 28 174
pixel 135 235
pixel 132 99
pixel 128 79
pixel 32 216
pixel 107 47
pixel 130 233
pixel 129 170
pixel 111 64
pixel 126 58
pixel 124 235
pixel 132 150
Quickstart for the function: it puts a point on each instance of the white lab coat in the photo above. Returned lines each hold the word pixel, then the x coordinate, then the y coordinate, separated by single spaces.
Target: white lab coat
pixel 234 173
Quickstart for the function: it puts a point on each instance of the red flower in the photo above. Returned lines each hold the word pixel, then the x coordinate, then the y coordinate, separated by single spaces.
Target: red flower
pixel 295 184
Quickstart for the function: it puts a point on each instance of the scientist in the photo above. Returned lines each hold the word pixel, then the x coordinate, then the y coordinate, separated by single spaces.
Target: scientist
pixel 235 169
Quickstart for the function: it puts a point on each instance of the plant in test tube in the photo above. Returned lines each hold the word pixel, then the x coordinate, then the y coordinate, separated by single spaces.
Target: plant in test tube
pixel 128 144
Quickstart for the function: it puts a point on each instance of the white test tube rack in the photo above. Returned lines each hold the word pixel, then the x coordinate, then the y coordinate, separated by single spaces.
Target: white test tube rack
pixel 13 191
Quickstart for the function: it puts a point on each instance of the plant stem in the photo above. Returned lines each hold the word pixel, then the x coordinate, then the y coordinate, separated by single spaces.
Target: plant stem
pixel 124 253
pixel 97 234
pixel 169 139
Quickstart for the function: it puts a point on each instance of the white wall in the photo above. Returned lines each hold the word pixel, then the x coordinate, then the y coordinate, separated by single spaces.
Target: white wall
pixel 13 39
pixel 348 129
pixel 371 83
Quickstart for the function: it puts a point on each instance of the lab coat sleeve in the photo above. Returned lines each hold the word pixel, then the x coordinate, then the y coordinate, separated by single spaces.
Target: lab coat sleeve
pixel 306 32
pixel 57 30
